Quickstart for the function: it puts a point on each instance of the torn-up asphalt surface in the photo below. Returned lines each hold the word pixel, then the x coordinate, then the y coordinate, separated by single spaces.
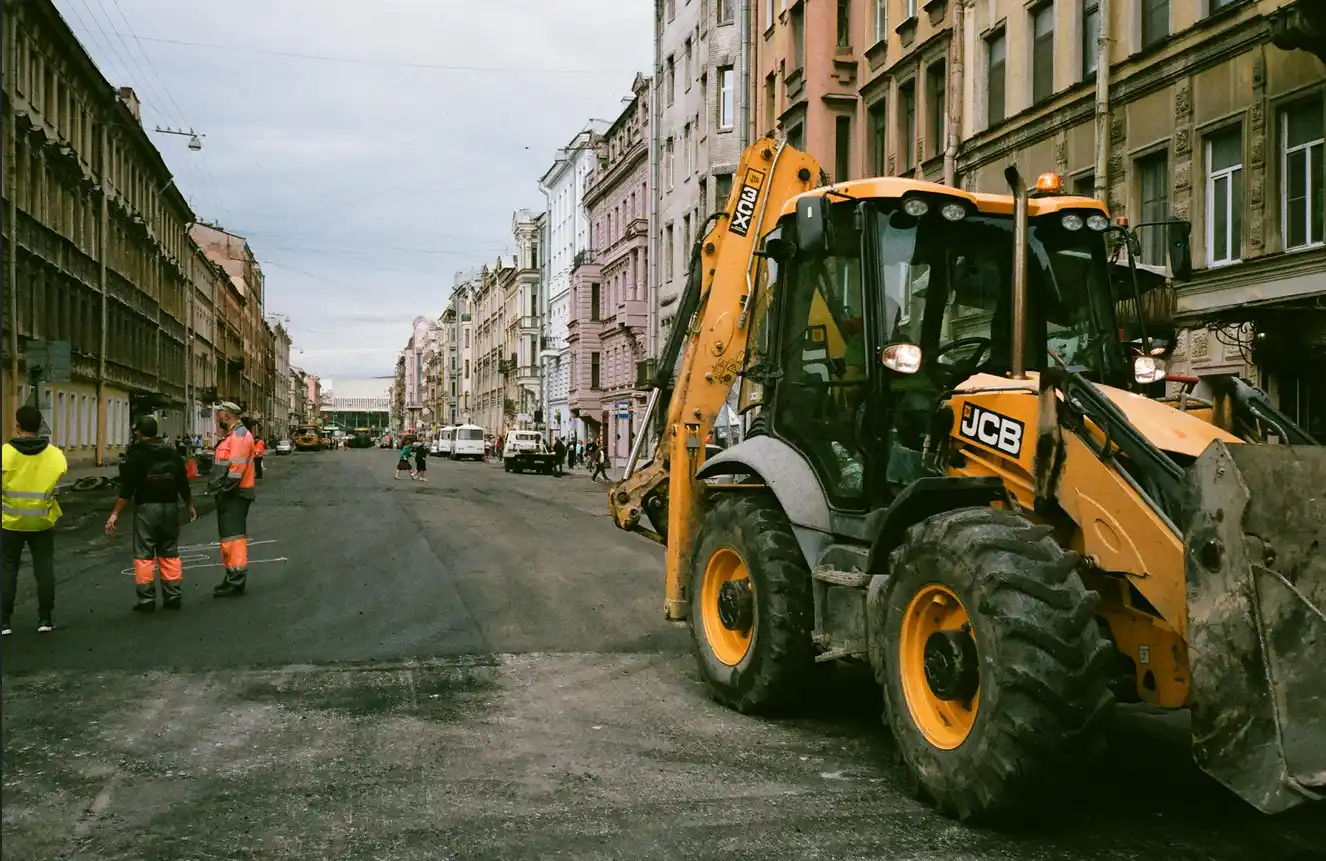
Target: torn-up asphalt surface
pixel 477 668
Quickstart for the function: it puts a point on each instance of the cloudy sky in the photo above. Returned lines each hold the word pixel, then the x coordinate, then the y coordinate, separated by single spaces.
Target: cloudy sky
pixel 368 151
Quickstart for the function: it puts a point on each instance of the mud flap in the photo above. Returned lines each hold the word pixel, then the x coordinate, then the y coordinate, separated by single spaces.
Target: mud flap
pixel 1255 562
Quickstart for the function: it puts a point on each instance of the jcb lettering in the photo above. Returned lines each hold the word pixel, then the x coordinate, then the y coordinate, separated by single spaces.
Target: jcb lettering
pixel 745 208
pixel 992 429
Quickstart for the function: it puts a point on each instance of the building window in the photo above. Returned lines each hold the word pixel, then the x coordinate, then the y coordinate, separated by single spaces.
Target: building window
pixel 844 23
pixel 798 16
pixel 907 124
pixel 996 54
pixel 669 161
pixel 669 252
pixel 771 102
pixel 1224 196
pixel 1085 185
pixel 671 82
pixel 595 300
pixel 879 119
pixel 725 11
pixel 1090 33
pixel 671 8
pixel 1042 52
pixel 768 14
pixel 1215 6
pixel 842 148
pixel 1153 171
pixel 795 135
pixel 594 370
pixel 686 150
pixel 687 66
pixel 1155 21
pixel 723 188
pixel 881 20
pixel 1303 183
pixel 934 85
pixel 727 83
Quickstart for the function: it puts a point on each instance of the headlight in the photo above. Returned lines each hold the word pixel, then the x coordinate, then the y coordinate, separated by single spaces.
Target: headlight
pixel 915 207
pixel 1097 222
pixel 1071 221
pixel 1148 369
pixel 953 211
pixel 903 358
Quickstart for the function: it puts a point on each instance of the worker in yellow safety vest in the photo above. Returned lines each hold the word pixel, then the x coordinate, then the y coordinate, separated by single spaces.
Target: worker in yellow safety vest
pixel 32 469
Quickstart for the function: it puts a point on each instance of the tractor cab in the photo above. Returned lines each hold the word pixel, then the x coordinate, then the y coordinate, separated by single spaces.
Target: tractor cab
pixel 887 294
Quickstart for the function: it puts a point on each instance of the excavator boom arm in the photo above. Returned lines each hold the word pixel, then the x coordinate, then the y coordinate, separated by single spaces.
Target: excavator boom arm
pixel 715 321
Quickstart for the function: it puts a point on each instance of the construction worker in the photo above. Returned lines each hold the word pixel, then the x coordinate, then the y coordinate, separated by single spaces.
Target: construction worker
pixel 259 449
pixel 154 478
pixel 32 468
pixel 232 483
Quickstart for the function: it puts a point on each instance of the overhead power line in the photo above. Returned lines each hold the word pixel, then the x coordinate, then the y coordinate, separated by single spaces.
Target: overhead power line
pixel 371 61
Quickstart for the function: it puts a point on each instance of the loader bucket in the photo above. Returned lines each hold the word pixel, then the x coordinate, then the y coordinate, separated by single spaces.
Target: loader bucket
pixel 1255 563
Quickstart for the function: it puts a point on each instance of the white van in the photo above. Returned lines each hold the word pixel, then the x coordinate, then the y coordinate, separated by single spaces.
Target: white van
pixel 444 440
pixel 467 441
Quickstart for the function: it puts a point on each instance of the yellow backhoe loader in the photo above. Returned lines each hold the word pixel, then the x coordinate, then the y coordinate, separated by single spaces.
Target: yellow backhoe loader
pixel 960 472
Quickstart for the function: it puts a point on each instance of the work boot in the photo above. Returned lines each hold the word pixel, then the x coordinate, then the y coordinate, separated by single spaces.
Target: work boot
pixel 171 594
pixel 147 598
pixel 233 585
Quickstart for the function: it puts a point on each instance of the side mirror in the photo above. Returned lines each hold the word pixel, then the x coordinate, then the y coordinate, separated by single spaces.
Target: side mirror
pixel 1178 237
pixel 813 224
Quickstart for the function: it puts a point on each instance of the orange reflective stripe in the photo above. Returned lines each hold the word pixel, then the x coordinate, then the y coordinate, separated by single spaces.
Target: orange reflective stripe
pixel 144 571
pixel 235 552
pixel 171 569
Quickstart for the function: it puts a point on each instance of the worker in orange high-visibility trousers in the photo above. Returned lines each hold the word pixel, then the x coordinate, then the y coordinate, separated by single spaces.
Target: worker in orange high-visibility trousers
pixel 232 484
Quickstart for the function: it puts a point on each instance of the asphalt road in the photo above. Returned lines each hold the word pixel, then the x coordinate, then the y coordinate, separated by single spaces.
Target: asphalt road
pixel 477 667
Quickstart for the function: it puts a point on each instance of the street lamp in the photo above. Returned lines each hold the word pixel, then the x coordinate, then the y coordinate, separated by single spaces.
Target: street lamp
pixel 195 139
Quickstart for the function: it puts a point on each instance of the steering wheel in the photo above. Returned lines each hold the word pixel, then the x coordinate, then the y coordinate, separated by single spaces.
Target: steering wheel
pixel 962 368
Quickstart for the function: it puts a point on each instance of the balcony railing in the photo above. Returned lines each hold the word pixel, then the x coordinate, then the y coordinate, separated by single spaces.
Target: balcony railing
pixel 585 257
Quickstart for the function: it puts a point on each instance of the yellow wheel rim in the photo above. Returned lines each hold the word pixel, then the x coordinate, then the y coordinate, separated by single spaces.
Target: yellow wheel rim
pixel 727 597
pixel 939 674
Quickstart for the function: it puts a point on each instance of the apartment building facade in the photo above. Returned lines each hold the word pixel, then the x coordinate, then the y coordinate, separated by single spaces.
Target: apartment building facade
pixel 1211 115
pixel 611 308
pixel 94 242
pixel 699 128
pixel 563 187
pixel 523 387
pixel 489 306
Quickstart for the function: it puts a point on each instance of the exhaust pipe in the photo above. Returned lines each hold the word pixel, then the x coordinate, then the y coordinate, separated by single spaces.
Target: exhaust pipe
pixel 1019 271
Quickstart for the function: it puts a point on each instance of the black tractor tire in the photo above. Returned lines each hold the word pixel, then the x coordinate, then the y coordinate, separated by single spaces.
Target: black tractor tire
pixel 779 663
pixel 1045 669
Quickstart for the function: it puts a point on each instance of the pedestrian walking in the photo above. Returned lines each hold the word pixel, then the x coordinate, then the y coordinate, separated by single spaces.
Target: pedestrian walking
pixel 155 480
pixel 420 460
pixel 232 484
pixel 403 463
pixel 559 454
pixel 32 467
pixel 600 465
pixel 259 448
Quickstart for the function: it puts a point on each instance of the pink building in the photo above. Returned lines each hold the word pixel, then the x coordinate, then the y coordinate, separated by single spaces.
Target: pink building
pixel 609 319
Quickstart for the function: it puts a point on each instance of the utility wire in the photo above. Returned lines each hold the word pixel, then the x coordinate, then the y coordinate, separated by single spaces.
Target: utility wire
pixel 370 61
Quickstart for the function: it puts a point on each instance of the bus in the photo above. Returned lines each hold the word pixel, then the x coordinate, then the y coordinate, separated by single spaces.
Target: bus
pixel 467 442
pixel 307 438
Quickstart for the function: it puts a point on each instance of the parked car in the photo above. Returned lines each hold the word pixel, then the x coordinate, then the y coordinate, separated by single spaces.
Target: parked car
pixel 285 446
pixel 525 451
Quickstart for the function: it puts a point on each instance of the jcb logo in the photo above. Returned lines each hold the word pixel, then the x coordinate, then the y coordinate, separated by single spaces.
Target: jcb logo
pixel 745 209
pixel 992 429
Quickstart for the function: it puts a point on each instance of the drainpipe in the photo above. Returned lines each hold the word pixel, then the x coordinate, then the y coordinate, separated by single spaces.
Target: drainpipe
pixel 953 122
pixel 655 228
pixel 1103 105
pixel 747 21
pixel 11 276
pixel 102 407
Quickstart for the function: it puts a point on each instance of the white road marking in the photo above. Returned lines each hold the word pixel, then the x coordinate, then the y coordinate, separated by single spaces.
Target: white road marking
pixel 130 571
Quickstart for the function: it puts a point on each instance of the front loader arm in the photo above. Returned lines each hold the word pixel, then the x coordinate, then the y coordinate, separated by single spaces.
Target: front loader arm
pixel 710 337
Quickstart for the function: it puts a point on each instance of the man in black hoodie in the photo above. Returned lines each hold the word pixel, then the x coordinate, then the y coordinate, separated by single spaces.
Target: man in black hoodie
pixel 154 478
